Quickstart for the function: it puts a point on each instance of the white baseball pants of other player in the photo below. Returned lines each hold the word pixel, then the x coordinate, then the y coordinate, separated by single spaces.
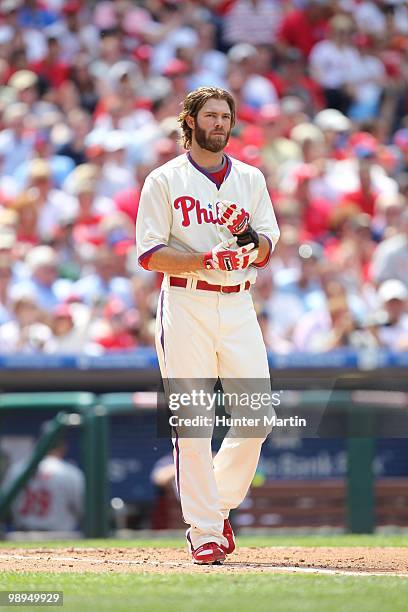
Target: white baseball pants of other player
pixel 204 334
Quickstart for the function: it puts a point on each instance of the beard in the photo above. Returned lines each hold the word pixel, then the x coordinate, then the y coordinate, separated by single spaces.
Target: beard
pixel 215 143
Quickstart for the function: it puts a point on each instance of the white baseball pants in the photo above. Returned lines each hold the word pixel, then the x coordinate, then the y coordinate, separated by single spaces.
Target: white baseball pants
pixel 206 335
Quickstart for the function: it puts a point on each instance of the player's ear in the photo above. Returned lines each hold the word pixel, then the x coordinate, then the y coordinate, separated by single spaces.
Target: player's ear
pixel 190 121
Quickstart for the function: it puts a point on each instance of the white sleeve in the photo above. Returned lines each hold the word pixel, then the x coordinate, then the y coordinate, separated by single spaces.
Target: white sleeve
pixel 263 218
pixel 154 219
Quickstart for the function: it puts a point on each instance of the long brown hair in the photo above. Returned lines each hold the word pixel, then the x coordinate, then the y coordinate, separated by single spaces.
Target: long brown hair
pixel 194 101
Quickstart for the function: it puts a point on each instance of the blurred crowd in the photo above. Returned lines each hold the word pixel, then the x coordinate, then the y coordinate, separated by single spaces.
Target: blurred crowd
pixel 89 98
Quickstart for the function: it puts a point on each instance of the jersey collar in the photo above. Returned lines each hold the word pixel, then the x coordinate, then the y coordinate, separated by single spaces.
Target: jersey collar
pixel 207 174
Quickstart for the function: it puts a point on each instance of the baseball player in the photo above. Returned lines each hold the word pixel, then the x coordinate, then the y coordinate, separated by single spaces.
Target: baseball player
pixel 206 221
pixel 53 498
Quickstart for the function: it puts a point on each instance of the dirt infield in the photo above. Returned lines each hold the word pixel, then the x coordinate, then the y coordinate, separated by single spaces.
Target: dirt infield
pixel 343 560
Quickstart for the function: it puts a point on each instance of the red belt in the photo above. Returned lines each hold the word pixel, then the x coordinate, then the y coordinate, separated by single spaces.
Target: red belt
pixel 176 281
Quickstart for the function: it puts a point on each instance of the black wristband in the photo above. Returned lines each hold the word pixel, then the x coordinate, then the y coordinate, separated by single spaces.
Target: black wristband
pixel 247 237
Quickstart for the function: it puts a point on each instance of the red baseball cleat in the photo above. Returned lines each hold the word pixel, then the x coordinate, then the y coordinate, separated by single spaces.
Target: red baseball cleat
pixel 210 553
pixel 229 534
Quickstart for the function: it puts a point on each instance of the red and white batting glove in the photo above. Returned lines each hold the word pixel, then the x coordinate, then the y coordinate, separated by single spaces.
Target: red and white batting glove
pixel 235 219
pixel 223 257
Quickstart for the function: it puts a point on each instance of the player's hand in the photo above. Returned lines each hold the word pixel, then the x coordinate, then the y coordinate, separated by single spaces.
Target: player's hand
pixel 223 257
pixel 235 219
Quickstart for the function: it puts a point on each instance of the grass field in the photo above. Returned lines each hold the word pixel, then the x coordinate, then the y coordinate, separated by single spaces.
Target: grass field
pixel 276 540
pixel 125 592
pixel 210 592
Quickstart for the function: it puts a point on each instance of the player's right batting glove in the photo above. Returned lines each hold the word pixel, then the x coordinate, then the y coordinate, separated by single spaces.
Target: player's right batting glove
pixel 223 257
pixel 236 220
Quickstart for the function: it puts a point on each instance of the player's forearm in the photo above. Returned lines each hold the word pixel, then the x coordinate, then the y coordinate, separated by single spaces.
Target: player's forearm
pixel 170 261
pixel 263 249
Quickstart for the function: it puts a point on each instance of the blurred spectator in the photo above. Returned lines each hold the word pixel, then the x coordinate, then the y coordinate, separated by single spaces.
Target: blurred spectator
pixel 343 174
pixel 26 209
pixel 352 247
pixel 365 197
pixel 70 325
pixel 118 234
pixel 53 205
pixel 401 141
pixel 25 84
pixel 391 330
pixel 53 499
pixel 378 17
pixel 86 224
pixel 391 256
pixel 314 211
pixel 24 333
pixel 89 213
pixel 53 70
pixel 8 222
pixel 96 287
pixel 255 90
pixel 334 126
pixel 113 331
pixel 5 278
pixel 17 142
pixel 276 148
pixel 42 282
pixel 278 312
pixel 82 85
pixel 7 244
pixel 75 31
pixel 330 327
pixel 305 26
pixel 208 64
pixel 252 21
pixel 294 81
pixel 79 123
pixel 116 175
pixel 127 201
pixel 370 82
pixel 389 208
pixel 33 16
pixel 334 63
pixel 303 283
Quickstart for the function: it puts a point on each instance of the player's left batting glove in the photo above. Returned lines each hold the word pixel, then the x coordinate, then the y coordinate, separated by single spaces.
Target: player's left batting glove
pixel 236 220
pixel 223 257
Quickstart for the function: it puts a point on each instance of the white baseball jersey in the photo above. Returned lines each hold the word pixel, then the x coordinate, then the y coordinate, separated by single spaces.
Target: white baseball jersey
pixel 178 209
pixel 53 498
